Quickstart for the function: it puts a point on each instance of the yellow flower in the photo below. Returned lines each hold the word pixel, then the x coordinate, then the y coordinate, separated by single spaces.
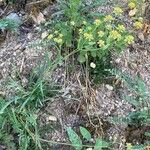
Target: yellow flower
pixel 131 5
pixel 115 35
pixel 101 33
pixel 88 36
pixel 58 40
pixel 56 32
pixel 84 22
pixel 108 18
pixel 89 28
pixel 92 65
pixel 60 35
pixel 50 36
pixel 129 146
pixel 108 27
pixel 118 11
pixel 148 147
pixel 121 28
pixel 97 22
pixel 138 25
pixel 55 39
pixel 129 39
pixel 101 43
pixel 72 23
pixel 80 30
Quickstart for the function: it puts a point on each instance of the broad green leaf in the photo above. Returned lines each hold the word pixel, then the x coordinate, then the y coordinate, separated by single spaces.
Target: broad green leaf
pixel 100 144
pixel 85 133
pixel 93 53
pixel 147 134
pixel 74 138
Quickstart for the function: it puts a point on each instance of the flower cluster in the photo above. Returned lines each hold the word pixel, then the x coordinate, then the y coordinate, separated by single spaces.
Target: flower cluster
pixel 114 34
pixel 131 5
pixel 97 22
pixel 56 37
pixel 129 39
pixel 98 37
pixel 121 28
pixel 101 43
pixel 118 11
pixel 138 25
pixel 108 18
pixel 88 36
pixel 101 33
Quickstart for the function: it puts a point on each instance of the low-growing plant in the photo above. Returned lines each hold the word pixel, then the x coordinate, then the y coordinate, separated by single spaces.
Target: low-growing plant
pixel 140 100
pixel 93 39
pixel 77 143
pixel 9 24
pixel 19 126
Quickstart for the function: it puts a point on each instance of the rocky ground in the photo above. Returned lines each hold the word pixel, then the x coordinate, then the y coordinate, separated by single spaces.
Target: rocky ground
pixel 17 57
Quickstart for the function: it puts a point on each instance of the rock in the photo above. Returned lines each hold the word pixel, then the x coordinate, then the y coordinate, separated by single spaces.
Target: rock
pixel 132 12
pixel 44 35
pixel 118 60
pixel 14 17
pixel 141 36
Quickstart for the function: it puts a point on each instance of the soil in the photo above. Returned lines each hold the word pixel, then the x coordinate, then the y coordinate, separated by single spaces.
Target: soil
pixel 18 58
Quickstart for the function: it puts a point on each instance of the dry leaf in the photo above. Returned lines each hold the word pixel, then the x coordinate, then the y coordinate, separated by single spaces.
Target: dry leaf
pixel 39 18
pixel 132 12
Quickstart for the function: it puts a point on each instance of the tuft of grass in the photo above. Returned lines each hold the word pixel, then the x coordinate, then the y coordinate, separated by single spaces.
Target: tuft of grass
pixel 19 128
pixel 9 24
pixel 140 100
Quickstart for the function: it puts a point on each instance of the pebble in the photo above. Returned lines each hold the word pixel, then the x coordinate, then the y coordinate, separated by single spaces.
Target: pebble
pixel 89 149
pixel 109 87
pixel 141 36
pixel 14 17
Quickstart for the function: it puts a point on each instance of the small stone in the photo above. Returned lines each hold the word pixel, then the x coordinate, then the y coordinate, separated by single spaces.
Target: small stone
pixel 29 36
pixel 109 87
pixel 92 65
pixel 14 17
pixel 51 118
pixel 132 12
pixel 118 60
pixel 141 36
pixel 89 149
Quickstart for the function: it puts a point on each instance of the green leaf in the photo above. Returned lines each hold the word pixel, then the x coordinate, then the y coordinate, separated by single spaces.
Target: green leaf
pixel 147 134
pixel 81 58
pixel 5 106
pixel 74 138
pixel 85 133
pixel 100 144
pixel 131 100
pixel 93 53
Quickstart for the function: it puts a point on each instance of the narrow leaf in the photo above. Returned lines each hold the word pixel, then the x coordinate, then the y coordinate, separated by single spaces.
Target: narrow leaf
pixel 85 133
